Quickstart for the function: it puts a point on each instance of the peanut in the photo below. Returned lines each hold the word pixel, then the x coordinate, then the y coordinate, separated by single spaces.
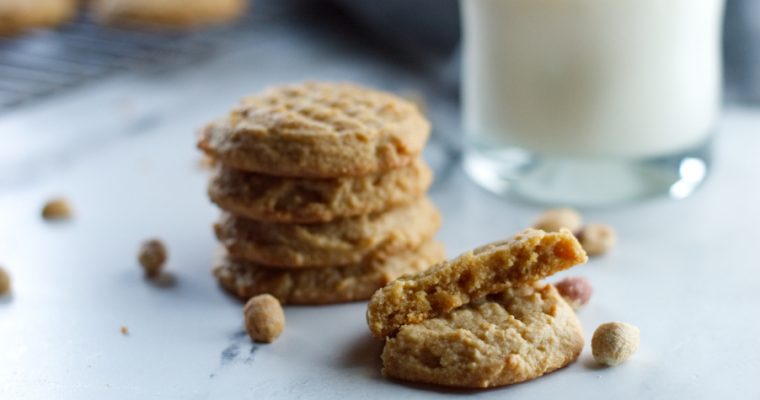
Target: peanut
pixel 264 318
pixel 597 239
pixel 557 218
pixel 614 342
pixel 575 290
pixel 56 210
pixel 152 256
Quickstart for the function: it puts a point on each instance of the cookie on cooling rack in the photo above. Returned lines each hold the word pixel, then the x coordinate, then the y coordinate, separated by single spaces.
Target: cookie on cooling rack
pixel 17 16
pixel 167 13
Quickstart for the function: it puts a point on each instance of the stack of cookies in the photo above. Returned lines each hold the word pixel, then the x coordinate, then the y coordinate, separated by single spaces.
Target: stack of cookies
pixel 323 193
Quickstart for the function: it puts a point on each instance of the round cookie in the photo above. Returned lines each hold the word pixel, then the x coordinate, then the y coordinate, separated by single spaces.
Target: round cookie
pixel 318 130
pixel 527 257
pixel 299 200
pixel 168 13
pixel 335 243
pixel 17 16
pixel 323 285
pixel 519 334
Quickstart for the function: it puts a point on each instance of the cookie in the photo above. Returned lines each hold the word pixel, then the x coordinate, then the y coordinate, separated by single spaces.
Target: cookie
pixel 17 16
pixel 518 334
pixel 244 279
pixel 529 256
pixel 169 13
pixel 299 200
pixel 335 243
pixel 318 130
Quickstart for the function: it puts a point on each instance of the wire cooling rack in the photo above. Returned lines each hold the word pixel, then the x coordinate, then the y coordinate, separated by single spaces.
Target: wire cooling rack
pixel 45 62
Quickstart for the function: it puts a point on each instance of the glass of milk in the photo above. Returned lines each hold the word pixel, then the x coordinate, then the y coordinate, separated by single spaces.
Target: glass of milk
pixel 589 102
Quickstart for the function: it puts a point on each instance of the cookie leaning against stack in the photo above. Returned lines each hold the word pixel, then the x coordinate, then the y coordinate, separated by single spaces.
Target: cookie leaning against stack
pixel 323 193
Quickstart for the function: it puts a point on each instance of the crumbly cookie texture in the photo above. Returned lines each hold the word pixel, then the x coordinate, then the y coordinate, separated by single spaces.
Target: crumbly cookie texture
pixel 527 257
pixel 16 16
pixel 167 13
pixel 323 285
pixel 339 242
pixel 518 334
pixel 264 318
pixel 319 130
pixel 298 200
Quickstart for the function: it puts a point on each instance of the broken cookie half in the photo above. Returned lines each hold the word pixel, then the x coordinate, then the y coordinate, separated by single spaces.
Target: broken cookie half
pixel 481 319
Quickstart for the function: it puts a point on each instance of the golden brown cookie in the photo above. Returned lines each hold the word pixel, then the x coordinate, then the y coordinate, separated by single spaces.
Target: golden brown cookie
pixel 529 256
pixel 323 285
pixel 17 16
pixel 299 200
pixel 319 130
pixel 335 243
pixel 519 334
pixel 167 13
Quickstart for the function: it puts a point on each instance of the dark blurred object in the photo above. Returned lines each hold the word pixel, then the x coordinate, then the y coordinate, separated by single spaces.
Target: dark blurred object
pixel 742 50
pixel 428 27
pixel 422 32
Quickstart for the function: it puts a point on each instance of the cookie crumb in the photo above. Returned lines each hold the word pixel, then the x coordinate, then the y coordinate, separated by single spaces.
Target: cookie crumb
pixel 124 330
pixel 575 290
pixel 597 239
pixel 56 209
pixel 554 219
pixel 614 342
pixel 264 318
pixel 152 256
pixel 5 282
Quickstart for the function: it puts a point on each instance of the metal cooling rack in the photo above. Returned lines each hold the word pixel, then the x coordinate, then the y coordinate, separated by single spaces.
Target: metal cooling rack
pixel 42 63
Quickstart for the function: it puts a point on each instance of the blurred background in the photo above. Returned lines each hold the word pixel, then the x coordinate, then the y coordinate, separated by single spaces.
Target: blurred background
pixel 87 65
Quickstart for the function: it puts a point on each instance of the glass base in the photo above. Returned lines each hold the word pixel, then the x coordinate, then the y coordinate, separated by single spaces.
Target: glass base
pixel 586 182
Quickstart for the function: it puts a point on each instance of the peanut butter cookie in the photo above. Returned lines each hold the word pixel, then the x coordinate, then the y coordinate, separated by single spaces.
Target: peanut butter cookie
pixel 521 333
pixel 529 256
pixel 167 13
pixel 335 243
pixel 318 130
pixel 298 200
pixel 323 285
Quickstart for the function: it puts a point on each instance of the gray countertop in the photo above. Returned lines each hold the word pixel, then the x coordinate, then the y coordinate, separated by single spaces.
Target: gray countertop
pixel 123 152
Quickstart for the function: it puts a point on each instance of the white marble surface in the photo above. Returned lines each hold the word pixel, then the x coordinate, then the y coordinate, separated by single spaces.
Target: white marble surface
pixel 685 272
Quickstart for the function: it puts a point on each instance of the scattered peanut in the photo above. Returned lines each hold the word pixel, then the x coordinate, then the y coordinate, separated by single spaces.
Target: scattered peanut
pixel 597 239
pixel 124 330
pixel 56 210
pixel 152 257
pixel 264 318
pixel 614 342
pixel 5 282
pixel 575 290
pixel 554 219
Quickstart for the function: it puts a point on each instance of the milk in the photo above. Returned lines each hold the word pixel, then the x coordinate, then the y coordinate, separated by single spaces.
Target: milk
pixel 591 78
